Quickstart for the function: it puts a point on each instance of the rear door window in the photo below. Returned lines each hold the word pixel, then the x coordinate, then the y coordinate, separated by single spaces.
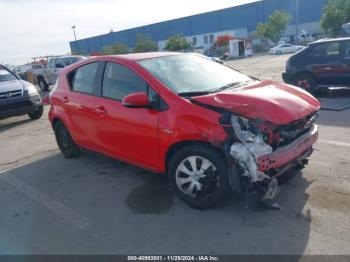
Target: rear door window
pixel 119 81
pixel 84 78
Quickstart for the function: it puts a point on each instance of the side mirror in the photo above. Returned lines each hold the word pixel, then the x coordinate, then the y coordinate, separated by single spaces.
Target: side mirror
pixel 136 100
pixel 59 66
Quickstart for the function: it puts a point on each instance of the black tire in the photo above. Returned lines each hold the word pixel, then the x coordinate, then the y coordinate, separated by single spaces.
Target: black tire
pixel 306 82
pixel 214 184
pixel 279 52
pixel 42 84
pixel 37 113
pixel 65 141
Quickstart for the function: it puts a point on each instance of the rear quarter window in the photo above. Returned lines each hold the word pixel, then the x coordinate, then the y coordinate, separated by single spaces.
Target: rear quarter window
pixel 82 79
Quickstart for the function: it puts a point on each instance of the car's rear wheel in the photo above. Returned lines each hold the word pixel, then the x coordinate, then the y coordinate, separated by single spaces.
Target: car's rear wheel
pixel 65 142
pixel 306 82
pixel 37 113
pixel 42 84
pixel 199 176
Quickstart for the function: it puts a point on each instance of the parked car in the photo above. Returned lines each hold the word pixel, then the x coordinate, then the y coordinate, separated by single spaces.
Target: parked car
pixel 47 76
pixel 18 97
pixel 285 49
pixel 207 126
pixel 323 63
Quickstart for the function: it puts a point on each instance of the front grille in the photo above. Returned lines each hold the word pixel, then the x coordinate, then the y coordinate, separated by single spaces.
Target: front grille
pixel 11 94
pixel 15 105
pixel 291 132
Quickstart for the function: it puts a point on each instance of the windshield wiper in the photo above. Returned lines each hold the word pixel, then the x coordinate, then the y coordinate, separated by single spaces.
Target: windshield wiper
pixel 234 84
pixel 194 93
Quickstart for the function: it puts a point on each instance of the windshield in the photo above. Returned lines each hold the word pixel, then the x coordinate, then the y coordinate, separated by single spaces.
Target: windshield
pixel 190 73
pixel 5 75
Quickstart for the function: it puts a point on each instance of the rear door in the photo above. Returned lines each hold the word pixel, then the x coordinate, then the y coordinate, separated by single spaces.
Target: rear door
pixel 130 134
pixel 79 105
pixel 327 63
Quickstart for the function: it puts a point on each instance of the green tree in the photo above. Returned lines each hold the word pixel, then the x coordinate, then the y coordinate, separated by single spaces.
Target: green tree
pixel 274 28
pixel 177 43
pixel 145 43
pixel 335 14
pixel 118 48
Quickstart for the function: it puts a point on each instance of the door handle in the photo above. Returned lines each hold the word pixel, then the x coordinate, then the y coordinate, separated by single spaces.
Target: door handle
pixel 65 99
pixel 101 110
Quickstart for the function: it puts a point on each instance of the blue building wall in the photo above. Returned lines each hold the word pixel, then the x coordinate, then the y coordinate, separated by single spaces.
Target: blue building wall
pixel 244 16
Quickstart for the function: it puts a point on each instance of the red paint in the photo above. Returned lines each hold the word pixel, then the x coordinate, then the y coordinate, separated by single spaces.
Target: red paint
pixel 136 100
pixel 143 136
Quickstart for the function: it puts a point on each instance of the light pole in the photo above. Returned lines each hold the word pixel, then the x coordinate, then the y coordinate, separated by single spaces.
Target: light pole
pixel 75 38
pixel 296 21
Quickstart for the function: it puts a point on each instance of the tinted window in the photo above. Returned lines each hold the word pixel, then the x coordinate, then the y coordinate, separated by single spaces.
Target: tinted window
pixel 324 50
pixel 84 78
pixel 119 81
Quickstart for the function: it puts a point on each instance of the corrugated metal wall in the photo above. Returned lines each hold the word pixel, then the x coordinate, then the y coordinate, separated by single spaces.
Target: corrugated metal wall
pixel 245 16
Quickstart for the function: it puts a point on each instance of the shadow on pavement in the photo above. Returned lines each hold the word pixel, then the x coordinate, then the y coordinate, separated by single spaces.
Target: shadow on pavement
pixel 7 124
pixel 134 211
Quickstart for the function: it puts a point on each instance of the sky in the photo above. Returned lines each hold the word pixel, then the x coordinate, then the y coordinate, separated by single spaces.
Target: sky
pixel 30 28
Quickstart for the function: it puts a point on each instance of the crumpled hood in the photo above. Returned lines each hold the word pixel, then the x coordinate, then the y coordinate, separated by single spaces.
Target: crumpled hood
pixel 7 86
pixel 277 103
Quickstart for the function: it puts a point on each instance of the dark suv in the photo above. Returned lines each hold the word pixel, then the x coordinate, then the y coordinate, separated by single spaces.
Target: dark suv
pixel 323 63
pixel 18 97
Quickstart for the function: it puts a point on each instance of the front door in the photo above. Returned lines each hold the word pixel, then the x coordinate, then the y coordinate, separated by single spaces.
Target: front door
pixel 129 134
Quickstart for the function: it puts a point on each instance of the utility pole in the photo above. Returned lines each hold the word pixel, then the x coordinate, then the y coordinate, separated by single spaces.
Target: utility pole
pixel 296 22
pixel 75 39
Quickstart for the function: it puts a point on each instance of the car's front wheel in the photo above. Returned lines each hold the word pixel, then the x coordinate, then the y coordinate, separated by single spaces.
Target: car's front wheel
pixel 37 113
pixel 199 176
pixel 65 142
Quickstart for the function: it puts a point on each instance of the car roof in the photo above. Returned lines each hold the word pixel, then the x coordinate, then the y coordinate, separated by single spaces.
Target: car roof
pixel 328 40
pixel 142 56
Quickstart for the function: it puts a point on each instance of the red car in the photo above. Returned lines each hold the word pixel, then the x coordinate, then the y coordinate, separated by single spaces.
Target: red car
pixel 207 126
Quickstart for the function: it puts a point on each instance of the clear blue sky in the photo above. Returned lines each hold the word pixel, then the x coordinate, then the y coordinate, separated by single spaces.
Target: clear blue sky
pixel 31 28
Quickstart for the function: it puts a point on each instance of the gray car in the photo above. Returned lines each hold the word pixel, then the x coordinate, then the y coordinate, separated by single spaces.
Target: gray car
pixel 18 97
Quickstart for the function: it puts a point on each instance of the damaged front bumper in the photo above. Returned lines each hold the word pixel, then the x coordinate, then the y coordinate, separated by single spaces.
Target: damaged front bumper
pixel 278 161
pixel 256 164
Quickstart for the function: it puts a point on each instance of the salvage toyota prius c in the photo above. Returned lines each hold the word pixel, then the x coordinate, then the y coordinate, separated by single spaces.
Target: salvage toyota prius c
pixel 210 128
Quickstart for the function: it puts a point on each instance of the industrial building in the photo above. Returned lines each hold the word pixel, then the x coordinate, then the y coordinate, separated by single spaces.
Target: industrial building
pixel 202 30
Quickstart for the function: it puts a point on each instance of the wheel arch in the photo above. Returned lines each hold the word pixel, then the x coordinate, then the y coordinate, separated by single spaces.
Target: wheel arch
pixel 181 144
pixel 307 72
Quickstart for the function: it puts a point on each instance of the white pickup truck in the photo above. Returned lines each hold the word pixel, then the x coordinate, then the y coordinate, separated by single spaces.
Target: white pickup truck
pixel 47 76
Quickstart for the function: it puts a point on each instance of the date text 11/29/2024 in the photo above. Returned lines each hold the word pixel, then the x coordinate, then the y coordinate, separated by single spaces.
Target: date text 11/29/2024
pixel 173 258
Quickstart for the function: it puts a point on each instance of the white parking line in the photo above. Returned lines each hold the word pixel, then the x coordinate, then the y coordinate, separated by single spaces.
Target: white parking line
pixel 334 143
pixel 51 204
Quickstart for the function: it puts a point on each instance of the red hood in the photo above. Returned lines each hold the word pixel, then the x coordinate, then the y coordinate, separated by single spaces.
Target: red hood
pixel 274 102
